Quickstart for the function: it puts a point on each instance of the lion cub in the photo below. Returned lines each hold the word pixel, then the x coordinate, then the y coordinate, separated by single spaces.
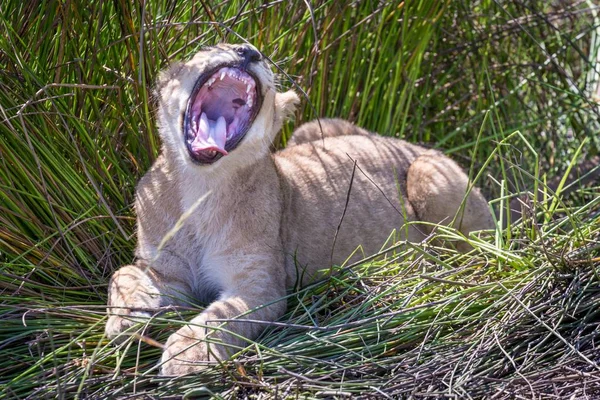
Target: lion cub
pixel 223 220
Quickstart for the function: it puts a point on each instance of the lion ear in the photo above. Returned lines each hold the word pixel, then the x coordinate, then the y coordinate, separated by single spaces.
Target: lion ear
pixel 285 105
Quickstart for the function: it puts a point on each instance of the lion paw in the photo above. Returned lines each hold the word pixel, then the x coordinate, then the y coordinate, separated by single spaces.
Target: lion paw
pixel 185 352
pixel 117 325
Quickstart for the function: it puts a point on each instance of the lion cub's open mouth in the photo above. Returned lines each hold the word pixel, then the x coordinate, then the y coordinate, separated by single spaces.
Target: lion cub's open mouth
pixel 220 111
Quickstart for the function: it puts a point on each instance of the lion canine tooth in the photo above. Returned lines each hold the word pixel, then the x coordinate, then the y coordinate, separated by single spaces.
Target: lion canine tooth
pixel 211 81
pixel 221 126
pixel 203 126
pixel 249 102
pixel 248 88
pixel 223 73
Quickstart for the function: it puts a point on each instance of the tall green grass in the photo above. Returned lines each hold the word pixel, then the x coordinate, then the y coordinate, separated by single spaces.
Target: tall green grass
pixel 508 89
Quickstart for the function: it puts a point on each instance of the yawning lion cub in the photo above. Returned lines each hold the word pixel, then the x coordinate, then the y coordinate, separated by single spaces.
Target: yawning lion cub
pixel 223 220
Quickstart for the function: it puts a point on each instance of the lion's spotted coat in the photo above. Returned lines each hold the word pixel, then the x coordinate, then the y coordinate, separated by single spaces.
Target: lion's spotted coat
pixel 264 220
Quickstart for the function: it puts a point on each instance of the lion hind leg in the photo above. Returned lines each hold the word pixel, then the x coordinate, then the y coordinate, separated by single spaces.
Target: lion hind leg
pixel 440 193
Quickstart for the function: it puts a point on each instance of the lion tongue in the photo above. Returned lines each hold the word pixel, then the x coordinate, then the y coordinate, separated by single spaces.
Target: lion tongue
pixel 211 135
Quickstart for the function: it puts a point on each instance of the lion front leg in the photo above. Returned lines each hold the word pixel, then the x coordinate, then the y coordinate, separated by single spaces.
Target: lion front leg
pixel 208 338
pixel 135 292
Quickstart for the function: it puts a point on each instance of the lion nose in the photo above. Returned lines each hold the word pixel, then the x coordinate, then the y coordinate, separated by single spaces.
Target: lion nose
pixel 249 54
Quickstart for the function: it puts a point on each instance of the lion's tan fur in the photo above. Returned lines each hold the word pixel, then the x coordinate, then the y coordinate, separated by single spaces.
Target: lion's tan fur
pixel 242 230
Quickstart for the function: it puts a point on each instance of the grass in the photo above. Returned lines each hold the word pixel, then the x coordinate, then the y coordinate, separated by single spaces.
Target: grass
pixel 508 89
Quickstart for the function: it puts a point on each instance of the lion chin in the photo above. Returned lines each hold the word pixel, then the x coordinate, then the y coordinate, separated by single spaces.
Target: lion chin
pixel 223 220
